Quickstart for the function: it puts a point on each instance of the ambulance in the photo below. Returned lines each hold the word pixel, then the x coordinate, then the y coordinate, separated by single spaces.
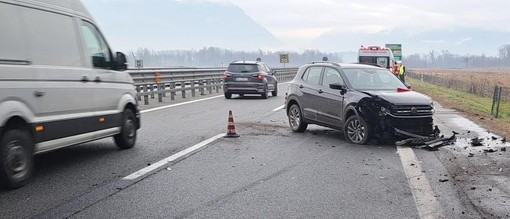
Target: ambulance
pixel 375 55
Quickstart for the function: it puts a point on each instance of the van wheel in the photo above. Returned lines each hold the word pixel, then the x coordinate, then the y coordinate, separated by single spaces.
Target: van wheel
pixel 356 130
pixel 16 158
pixel 127 136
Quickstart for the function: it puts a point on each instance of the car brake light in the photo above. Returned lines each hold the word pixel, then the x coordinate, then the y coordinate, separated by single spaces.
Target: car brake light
pixel 260 76
pixel 227 75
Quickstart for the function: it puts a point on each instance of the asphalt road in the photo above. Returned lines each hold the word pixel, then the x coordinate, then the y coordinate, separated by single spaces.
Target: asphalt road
pixel 268 172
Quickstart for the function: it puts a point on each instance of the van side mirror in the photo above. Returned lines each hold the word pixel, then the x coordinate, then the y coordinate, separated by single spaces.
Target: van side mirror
pixel 120 62
pixel 337 86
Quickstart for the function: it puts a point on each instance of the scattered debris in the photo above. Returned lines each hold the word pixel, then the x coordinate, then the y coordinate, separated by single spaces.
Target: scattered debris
pixel 476 142
pixel 503 149
pixel 431 143
pixel 471 155
pixel 443 180
pixel 494 138
pixel 168 168
pixel 473 188
pixel 489 150
pixel 503 140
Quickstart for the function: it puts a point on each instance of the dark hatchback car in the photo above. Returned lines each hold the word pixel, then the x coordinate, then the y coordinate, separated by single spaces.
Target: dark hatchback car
pixel 249 77
pixel 363 101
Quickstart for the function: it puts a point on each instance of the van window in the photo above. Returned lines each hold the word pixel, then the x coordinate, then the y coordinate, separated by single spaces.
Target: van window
pixel 52 38
pixel 95 46
pixel 12 47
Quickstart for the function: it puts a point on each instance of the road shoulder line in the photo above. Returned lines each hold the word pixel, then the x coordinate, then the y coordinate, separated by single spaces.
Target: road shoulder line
pixel 424 197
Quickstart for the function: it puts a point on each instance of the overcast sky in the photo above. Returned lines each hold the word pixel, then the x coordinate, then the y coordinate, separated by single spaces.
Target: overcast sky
pixel 298 23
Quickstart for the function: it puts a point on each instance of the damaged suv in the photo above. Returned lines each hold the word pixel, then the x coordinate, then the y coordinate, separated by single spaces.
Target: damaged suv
pixel 363 101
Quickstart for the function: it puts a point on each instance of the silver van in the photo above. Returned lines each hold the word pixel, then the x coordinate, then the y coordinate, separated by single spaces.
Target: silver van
pixel 60 85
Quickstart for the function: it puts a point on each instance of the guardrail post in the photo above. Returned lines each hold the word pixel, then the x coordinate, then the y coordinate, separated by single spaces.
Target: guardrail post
pixel 172 90
pixel 145 97
pixel 183 85
pixel 160 94
pixel 193 88
pixel 163 88
pixel 218 85
pixel 209 85
pixel 152 90
pixel 201 87
pixel 138 89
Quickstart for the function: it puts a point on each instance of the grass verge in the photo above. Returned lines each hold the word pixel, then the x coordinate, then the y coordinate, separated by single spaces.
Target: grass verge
pixel 477 109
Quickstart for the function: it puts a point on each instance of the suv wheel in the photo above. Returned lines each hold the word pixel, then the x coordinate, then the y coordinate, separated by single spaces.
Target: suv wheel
pixel 296 119
pixel 356 130
pixel 16 158
pixel 127 136
pixel 264 95
pixel 275 91
pixel 228 95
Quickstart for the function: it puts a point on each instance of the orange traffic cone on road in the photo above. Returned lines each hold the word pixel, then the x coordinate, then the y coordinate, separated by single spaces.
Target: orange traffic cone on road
pixel 231 128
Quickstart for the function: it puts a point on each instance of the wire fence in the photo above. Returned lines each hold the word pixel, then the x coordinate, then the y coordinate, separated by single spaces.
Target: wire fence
pixel 479 88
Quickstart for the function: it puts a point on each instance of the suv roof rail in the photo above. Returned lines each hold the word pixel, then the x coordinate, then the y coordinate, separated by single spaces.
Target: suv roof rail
pixel 325 62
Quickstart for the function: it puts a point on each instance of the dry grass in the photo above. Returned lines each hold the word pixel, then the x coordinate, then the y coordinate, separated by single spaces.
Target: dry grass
pixel 500 77
pixel 473 107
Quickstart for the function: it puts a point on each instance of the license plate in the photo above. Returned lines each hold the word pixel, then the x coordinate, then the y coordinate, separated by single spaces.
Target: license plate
pixel 241 79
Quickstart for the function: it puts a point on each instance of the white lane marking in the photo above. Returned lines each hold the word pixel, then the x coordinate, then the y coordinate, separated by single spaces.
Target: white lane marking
pixel 171 158
pixel 426 203
pixel 179 104
pixel 278 108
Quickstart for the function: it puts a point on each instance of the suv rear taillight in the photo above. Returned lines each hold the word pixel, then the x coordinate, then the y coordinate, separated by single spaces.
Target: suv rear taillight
pixel 227 76
pixel 260 76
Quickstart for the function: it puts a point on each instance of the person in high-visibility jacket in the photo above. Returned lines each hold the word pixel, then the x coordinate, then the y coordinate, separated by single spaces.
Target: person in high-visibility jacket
pixel 402 72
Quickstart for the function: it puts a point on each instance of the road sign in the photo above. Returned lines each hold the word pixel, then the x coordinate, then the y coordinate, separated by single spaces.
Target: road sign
pixel 396 49
pixel 284 58
pixel 139 63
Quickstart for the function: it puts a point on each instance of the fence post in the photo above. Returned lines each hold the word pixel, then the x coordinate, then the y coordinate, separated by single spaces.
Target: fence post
pixel 494 97
pixel 499 100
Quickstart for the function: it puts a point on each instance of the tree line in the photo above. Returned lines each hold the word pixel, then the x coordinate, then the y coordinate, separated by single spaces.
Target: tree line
pixel 445 59
pixel 217 57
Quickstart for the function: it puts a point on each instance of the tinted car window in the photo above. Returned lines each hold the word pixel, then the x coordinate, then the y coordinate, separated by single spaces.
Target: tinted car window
pixel 331 76
pixel 243 68
pixel 312 75
pixel 372 79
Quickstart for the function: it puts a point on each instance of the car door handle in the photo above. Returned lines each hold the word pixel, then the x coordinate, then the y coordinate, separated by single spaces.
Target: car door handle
pixel 84 79
pixel 97 80
pixel 39 93
pixel 320 91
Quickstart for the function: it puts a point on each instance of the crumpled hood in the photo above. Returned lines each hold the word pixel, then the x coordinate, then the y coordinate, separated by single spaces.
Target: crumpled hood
pixel 402 98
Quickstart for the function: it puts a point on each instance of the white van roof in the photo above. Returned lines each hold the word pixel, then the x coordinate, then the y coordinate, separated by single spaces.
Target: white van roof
pixel 74 7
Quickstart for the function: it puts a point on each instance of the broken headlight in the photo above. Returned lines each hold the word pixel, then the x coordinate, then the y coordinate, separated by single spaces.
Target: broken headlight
pixel 383 111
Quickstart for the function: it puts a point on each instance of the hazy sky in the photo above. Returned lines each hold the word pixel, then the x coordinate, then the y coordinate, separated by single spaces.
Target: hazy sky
pixel 298 23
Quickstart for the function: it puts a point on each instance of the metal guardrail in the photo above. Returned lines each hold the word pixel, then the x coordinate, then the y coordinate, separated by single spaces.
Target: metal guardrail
pixel 160 82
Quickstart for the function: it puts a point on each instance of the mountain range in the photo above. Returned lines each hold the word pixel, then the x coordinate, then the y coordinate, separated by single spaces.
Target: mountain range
pixel 176 24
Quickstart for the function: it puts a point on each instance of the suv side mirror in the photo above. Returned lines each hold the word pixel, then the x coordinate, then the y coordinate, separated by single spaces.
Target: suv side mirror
pixel 337 86
pixel 273 72
pixel 120 62
pixel 408 85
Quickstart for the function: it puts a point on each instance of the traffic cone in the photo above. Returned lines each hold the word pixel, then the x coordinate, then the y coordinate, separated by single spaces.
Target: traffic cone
pixel 231 128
